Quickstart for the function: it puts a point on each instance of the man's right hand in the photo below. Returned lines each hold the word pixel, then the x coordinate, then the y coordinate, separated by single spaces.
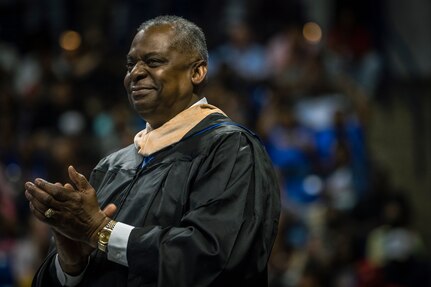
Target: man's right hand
pixel 73 255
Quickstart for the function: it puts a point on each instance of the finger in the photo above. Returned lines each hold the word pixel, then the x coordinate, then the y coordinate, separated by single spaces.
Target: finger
pixel 66 186
pixel 39 206
pixel 37 213
pixel 32 199
pixel 56 191
pixel 34 192
pixel 69 186
pixel 78 179
pixel 110 210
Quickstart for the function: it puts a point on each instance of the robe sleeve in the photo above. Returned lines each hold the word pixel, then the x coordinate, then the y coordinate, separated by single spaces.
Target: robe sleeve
pixel 228 231
pixel 46 275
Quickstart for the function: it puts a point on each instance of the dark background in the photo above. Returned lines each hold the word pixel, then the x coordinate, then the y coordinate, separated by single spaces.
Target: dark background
pixel 60 107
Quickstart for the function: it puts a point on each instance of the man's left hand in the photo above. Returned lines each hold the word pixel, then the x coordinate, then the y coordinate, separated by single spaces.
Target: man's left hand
pixel 71 211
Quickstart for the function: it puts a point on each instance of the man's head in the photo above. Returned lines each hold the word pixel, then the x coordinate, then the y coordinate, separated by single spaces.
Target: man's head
pixel 166 65
pixel 188 37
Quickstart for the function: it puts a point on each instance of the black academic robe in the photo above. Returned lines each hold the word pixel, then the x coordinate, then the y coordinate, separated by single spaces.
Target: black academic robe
pixel 205 209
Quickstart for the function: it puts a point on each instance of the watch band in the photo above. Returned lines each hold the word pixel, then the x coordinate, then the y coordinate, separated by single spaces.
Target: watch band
pixel 104 235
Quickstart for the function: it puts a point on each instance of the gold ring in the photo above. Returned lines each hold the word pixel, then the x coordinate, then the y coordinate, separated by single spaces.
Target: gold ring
pixel 49 213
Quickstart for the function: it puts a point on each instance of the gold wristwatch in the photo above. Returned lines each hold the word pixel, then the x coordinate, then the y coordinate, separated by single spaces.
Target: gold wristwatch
pixel 104 235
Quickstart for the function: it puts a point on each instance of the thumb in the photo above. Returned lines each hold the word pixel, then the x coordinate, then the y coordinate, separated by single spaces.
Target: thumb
pixel 110 210
pixel 78 179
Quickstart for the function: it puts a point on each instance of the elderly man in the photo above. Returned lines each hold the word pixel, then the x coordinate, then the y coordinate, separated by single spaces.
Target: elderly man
pixel 193 202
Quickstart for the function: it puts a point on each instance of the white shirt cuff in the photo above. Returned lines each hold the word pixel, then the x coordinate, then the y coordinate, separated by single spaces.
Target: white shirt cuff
pixel 66 279
pixel 117 244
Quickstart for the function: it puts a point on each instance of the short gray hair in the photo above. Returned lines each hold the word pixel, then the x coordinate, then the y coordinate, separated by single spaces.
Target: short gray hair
pixel 189 38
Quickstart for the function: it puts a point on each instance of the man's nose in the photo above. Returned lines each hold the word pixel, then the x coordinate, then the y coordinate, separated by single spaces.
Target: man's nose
pixel 138 71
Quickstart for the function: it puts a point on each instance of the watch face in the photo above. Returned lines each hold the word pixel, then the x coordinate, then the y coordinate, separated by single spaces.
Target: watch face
pixel 104 236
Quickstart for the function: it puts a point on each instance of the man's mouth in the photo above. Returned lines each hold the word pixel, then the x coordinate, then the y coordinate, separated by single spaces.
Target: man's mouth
pixel 140 91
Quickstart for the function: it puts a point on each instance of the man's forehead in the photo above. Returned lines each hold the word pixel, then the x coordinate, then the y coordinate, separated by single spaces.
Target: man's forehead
pixel 157 31
pixel 159 37
pixel 163 28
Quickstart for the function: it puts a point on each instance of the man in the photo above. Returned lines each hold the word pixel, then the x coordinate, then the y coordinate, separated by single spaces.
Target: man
pixel 194 202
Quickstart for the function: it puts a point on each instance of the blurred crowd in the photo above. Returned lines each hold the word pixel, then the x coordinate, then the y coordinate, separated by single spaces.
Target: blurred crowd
pixel 308 92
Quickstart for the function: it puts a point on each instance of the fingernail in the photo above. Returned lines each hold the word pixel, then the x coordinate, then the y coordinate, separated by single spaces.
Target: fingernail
pixel 39 181
pixel 28 185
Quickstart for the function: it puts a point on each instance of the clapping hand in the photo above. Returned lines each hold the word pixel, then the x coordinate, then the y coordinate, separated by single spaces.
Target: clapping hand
pixel 74 214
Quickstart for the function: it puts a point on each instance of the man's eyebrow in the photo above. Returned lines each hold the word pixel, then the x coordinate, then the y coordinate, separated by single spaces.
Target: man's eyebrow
pixel 144 57
pixel 151 54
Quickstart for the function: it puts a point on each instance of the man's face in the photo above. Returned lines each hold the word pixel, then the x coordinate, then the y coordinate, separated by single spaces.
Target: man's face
pixel 158 79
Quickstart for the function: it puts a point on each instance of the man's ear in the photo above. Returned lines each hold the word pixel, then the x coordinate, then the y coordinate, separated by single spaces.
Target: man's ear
pixel 199 72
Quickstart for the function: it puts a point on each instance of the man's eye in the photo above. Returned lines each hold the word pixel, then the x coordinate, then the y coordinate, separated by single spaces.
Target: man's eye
pixel 129 66
pixel 152 62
